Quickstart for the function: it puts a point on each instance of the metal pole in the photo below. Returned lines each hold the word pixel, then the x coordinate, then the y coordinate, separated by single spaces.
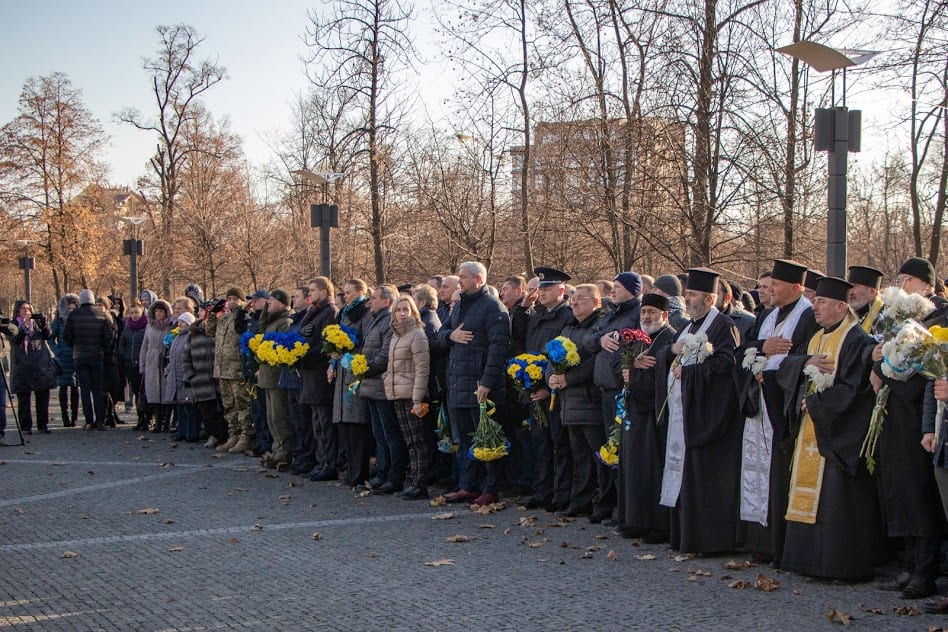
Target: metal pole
pixel 27 264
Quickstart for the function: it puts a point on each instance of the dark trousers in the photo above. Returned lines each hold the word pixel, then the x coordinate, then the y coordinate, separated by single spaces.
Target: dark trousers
pixel 42 409
pixel 189 425
pixel 90 375
pixel 323 430
pixel 519 466
pixel 210 415
pixel 258 414
pixel 473 475
pixel 585 441
pixel 68 404
pixel 304 445
pixel 391 455
pixel 607 476
pixel 413 430
pixel 358 438
pixel 552 458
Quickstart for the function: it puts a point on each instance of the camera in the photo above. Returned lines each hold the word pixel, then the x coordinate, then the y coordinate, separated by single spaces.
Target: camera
pixel 4 320
pixel 38 317
pixel 215 305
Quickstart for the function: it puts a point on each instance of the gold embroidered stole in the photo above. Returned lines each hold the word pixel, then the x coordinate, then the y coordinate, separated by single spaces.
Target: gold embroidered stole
pixel 806 477
pixel 870 318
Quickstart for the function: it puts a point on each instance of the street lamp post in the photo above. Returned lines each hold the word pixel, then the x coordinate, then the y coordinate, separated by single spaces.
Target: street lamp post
pixel 133 248
pixel 323 216
pixel 27 264
pixel 837 131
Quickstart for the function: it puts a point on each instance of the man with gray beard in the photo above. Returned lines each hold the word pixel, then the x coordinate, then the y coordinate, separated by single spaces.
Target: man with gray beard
pixel 642 448
pixel 864 297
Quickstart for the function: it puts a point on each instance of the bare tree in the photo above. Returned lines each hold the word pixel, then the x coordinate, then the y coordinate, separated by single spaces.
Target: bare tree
pixel 178 79
pixel 48 154
pixel 361 49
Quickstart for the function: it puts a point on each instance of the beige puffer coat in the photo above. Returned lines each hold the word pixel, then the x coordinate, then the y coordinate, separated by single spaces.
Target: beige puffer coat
pixel 408 363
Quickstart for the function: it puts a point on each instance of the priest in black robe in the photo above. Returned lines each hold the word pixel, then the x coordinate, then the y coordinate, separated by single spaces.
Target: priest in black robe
pixel 834 527
pixel 700 479
pixel 642 446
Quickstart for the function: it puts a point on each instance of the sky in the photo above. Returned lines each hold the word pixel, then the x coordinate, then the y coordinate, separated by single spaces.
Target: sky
pixel 100 45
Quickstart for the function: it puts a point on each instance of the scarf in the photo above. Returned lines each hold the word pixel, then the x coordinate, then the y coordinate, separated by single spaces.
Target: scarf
pixel 136 323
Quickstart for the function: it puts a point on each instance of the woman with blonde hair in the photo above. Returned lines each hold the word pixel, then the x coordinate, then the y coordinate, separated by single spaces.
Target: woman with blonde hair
pixel 406 385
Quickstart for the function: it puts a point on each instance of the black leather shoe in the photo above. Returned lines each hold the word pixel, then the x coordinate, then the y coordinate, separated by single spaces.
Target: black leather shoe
pixel 919 588
pixel 375 482
pixel 899 583
pixel 536 503
pixel 324 475
pixel 939 606
pixel 656 537
pixel 387 488
pixel 600 517
pixel 415 493
pixel 572 512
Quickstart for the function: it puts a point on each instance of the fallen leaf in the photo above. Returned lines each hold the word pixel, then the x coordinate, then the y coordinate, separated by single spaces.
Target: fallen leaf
pixel 176 549
pixel 612 555
pixel 372 554
pixel 365 493
pixel 90 473
pixel 234 541
pixel 143 438
pixel 835 616
pixel 217 456
pixel 438 501
pixel 458 538
pixel 284 497
pixel 443 516
pixel 734 565
pixel 798 592
pixel 564 545
pixel 317 536
pixel 17 511
pixel 692 578
pixel 595 547
pixel 602 536
pixel 169 521
pixel 539 532
pixel 766 584
pixel 68 555
pixel 507 531
pixel 536 545
pixel 484 510
pixel 295 483
pixel 444 562
pixel 257 527
pixel 906 611
pixel 740 584
pixel 700 572
pixel 147 511
pixel 871 610
pixel 647 556
pixel 271 475
pixel 485 526
pixel 243 489
pixel 682 558
pixel 586 555
pixel 527 521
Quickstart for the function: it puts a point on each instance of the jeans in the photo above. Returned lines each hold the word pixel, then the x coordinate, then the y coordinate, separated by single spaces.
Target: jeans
pixel 390 452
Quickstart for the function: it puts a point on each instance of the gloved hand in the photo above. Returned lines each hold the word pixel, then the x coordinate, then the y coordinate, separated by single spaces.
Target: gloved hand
pixel 307 330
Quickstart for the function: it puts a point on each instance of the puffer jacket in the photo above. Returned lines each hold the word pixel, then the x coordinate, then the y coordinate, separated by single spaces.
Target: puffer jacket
pixel 176 389
pixel 228 363
pixel 61 349
pixel 151 359
pixel 608 369
pixel 269 376
pixel 32 367
pixel 482 360
pixel 130 343
pixel 199 364
pixel 90 332
pixel 408 363
pixel 581 400
pixel 345 408
pixel 377 341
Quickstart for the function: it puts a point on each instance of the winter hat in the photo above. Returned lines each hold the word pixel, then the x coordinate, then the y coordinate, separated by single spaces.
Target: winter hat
pixel 281 296
pixel 920 269
pixel 630 281
pixel 669 284
pixel 194 293
pixel 187 318
pixel 655 300
pixel 235 292
pixel 86 297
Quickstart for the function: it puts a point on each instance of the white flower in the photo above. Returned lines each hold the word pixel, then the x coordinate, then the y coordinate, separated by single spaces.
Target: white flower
pixel 696 348
pixel 754 362
pixel 901 306
pixel 897 350
pixel 821 381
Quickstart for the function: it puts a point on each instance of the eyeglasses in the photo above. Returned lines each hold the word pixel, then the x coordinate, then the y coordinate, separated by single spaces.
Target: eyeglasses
pixel 902 279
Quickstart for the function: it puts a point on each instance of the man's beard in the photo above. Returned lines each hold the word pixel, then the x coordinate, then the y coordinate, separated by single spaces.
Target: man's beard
pixel 651 329
pixel 857 304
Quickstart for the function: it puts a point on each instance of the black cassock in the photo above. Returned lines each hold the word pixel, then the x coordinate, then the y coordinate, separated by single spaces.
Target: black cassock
pixel 706 516
pixel 847 541
pixel 642 451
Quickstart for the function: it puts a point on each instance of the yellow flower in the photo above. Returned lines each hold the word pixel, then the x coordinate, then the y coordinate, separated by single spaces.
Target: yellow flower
pixel 940 333
pixel 572 357
pixel 360 365
pixel 608 456
pixel 512 371
pixel 534 372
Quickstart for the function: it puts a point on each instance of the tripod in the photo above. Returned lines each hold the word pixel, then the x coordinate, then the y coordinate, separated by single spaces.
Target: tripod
pixel 16 420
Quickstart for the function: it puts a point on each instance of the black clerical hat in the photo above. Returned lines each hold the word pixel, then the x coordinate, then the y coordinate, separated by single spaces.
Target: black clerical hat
pixel 789 271
pixel 834 288
pixel 812 279
pixel 405 287
pixel 703 280
pixel 864 275
pixel 920 269
pixel 550 276
pixel 655 300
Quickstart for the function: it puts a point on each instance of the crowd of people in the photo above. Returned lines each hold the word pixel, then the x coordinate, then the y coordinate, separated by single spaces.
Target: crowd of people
pixel 768 421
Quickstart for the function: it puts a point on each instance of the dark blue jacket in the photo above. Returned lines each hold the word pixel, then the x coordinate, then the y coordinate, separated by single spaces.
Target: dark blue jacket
pixel 483 360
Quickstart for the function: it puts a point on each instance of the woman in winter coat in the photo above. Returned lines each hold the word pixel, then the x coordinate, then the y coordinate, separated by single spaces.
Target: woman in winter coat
pixel 199 375
pixel 151 364
pixel 406 386
pixel 32 370
pixel 113 382
pixel 62 351
pixel 129 349
pixel 177 388
pixel 349 411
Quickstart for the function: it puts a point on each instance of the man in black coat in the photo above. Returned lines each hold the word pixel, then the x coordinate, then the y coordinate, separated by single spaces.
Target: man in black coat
pixel 90 333
pixel 477 336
